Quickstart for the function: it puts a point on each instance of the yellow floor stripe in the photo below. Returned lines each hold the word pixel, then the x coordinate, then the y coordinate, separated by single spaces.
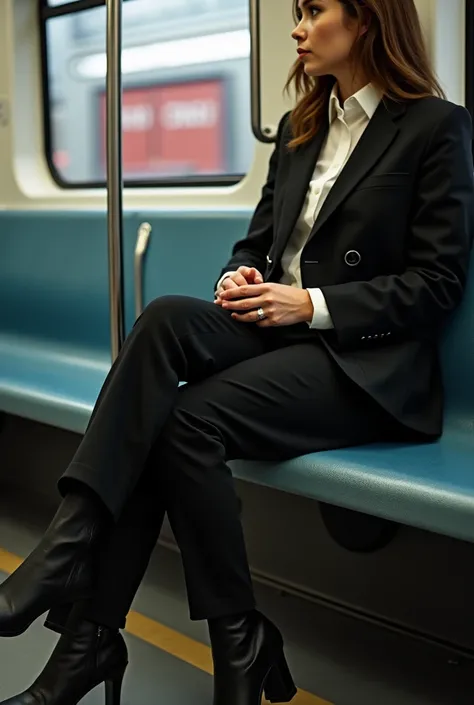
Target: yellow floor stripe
pixel 8 562
pixel 182 647
pixel 166 639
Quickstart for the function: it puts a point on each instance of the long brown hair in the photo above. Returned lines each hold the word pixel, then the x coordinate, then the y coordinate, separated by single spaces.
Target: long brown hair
pixel 392 53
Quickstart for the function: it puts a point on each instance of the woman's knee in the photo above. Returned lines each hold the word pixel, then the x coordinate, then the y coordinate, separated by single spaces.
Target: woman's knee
pixel 168 309
pixel 163 306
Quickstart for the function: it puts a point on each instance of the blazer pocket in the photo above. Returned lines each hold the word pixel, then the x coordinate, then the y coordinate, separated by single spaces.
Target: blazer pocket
pixel 399 179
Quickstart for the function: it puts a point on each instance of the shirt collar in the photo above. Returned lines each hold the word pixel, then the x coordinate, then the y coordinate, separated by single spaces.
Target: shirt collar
pixel 367 99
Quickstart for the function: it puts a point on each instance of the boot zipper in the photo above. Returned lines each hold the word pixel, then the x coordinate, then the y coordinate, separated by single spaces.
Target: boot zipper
pixel 99 634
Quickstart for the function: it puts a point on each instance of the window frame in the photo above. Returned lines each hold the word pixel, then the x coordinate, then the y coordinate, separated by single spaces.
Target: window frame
pixel 47 12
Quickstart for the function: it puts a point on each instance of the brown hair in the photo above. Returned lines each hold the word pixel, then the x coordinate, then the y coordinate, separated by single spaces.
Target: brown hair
pixel 392 53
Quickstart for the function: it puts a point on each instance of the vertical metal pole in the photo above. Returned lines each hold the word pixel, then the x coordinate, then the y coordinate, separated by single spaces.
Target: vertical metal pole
pixel 114 173
pixel 265 134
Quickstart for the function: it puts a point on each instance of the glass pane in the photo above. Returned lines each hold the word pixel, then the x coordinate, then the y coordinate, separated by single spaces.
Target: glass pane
pixel 186 104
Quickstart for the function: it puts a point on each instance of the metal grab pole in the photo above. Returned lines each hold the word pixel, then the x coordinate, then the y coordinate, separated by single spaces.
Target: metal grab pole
pixel 143 239
pixel 265 134
pixel 114 173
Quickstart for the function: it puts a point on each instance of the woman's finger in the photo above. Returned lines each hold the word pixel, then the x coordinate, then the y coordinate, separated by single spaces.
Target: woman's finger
pixel 247 304
pixel 249 291
pixel 252 275
pixel 230 283
pixel 238 279
pixel 255 276
pixel 253 317
pixel 245 317
pixel 265 323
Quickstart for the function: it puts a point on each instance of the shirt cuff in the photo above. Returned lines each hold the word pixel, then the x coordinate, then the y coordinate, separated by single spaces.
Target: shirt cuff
pixel 321 316
pixel 224 276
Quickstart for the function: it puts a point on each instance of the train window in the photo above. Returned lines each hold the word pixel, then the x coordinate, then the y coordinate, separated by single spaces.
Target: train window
pixel 186 91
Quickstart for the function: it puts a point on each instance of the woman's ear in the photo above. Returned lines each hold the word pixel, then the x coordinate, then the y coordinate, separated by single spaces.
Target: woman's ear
pixel 365 23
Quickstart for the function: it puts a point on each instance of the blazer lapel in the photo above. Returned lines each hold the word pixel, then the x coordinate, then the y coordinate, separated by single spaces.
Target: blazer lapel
pixel 377 138
pixel 302 165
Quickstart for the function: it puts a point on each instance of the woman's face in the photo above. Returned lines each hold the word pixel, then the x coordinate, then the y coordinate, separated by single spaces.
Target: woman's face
pixel 327 34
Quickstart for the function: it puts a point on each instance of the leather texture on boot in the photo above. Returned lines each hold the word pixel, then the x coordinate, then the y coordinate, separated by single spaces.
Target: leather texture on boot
pixel 77 665
pixel 59 570
pixel 248 659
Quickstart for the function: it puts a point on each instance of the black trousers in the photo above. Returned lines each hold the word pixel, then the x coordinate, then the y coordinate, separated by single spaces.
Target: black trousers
pixel 153 447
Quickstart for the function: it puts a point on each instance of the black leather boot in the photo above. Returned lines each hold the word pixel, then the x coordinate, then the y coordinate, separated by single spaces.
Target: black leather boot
pixel 60 568
pixel 79 663
pixel 249 660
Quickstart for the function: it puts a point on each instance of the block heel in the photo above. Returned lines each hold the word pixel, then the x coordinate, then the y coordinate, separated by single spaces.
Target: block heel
pixel 279 686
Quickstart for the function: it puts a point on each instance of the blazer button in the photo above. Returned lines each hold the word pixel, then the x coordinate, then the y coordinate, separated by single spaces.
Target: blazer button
pixel 352 258
pixel 270 261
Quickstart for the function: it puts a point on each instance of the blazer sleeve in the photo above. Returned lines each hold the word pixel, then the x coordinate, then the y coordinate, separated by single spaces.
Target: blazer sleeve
pixel 253 249
pixel 416 302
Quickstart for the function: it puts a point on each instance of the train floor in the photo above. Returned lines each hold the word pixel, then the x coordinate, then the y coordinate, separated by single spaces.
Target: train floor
pixel 335 659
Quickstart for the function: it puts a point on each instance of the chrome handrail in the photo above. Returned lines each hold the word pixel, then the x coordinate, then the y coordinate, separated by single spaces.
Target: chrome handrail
pixel 143 239
pixel 265 134
pixel 114 174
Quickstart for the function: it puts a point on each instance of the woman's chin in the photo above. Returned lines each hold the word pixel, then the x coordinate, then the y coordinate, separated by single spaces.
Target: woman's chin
pixel 313 70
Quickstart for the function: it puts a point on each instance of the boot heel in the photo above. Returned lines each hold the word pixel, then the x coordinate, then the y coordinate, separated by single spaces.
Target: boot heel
pixel 279 686
pixel 113 689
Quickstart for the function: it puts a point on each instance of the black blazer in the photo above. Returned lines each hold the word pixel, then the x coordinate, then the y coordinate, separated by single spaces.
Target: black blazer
pixel 389 249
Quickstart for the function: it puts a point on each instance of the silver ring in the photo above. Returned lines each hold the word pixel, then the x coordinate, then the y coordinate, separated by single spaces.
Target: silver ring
pixel 261 314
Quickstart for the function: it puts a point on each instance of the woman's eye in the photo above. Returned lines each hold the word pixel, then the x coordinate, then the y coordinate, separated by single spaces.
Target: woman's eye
pixel 313 12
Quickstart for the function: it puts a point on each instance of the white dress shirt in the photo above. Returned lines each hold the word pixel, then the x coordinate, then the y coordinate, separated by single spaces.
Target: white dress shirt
pixel 347 125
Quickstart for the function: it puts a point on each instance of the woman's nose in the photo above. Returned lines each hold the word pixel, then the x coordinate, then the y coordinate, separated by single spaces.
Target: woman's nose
pixel 298 32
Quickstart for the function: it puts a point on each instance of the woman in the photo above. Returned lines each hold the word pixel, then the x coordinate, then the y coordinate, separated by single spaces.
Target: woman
pixel 323 334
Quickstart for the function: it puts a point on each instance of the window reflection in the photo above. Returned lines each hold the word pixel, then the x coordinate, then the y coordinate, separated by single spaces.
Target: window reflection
pixel 186 101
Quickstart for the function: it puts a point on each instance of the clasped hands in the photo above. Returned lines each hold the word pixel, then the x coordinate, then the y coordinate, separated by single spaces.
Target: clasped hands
pixel 282 305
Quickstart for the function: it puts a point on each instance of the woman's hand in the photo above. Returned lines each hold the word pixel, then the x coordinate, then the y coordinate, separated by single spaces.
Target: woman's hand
pixel 282 305
pixel 242 277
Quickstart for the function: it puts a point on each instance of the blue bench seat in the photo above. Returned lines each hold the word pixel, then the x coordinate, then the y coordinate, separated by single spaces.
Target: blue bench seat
pixel 52 384
pixel 54 356
pixel 430 486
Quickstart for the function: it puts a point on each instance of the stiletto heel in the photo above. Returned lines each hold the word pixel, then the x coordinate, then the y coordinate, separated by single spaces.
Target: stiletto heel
pixel 113 689
pixel 279 686
pixel 91 656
